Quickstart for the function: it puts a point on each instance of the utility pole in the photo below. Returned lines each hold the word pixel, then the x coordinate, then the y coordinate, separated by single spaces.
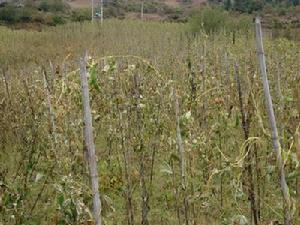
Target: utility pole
pixel 92 10
pixel 142 9
pixel 101 11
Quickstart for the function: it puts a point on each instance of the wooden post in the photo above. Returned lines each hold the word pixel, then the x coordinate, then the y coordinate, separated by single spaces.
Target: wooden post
pixel 89 141
pixel 272 120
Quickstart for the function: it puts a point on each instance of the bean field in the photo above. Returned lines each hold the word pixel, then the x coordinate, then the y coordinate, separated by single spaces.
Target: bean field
pixel 180 127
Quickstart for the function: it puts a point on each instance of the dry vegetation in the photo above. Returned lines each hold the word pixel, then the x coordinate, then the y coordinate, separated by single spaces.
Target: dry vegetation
pixel 167 124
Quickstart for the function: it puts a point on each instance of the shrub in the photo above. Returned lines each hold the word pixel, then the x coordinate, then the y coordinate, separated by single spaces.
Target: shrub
pixel 248 6
pixel 57 20
pixel 39 19
pixel 282 12
pixel 176 16
pixel 12 14
pixel 58 6
pixel 54 20
pixel 112 11
pixel 208 19
pixel 212 20
pixel 243 23
pixel 9 14
pixel 255 6
pixel 133 7
pixel 25 14
pixel 81 15
pixel 44 6
pixel 53 6
pixel 151 7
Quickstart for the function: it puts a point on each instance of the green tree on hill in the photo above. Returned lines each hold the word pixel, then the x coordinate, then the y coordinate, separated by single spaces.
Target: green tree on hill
pixel 249 6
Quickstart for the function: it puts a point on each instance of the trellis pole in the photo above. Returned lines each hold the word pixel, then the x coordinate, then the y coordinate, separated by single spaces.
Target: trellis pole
pixel 89 141
pixel 272 121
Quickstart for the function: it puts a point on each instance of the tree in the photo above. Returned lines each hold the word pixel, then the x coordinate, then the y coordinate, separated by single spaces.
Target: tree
pixel 242 5
pixel 228 5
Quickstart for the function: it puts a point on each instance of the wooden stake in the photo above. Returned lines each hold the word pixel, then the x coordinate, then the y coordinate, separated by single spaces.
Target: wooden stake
pixel 181 151
pixel 50 109
pixel 89 141
pixel 272 120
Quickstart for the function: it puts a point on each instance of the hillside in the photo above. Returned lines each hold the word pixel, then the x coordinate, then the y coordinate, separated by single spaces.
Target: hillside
pixel 38 14
pixel 153 10
pixel 56 12
pixel 174 3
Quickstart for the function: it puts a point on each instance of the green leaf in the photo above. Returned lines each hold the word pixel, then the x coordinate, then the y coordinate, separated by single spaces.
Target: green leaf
pixel 62 222
pixel 293 175
pixel 61 200
pixel 167 169
pixel 112 65
pixel 93 80
pixel 288 99
pixel 237 121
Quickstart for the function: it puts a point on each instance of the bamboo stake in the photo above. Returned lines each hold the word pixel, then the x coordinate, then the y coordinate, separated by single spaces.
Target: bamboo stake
pixel 127 164
pixel 141 149
pixel 89 141
pixel 272 120
pixel 180 143
pixel 50 109
pixel 54 143
pixel 181 151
